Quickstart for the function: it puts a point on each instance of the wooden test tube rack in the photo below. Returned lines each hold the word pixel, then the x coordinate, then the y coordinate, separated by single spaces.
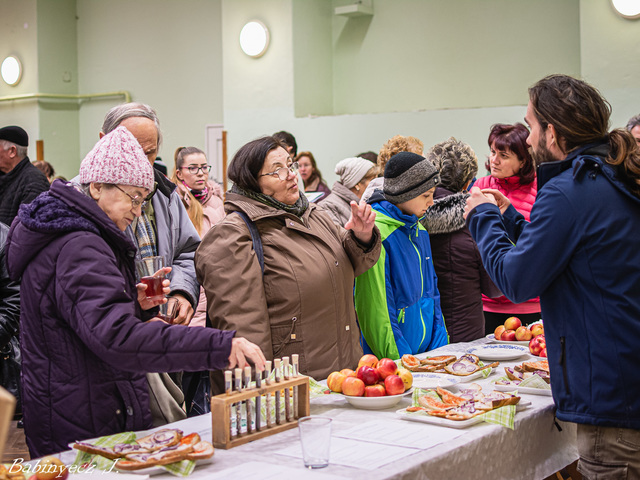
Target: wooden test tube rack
pixel 221 411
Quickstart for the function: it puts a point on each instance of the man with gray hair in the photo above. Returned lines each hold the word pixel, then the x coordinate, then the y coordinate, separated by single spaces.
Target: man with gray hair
pixel 164 227
pixel 634 127
pixel 20 181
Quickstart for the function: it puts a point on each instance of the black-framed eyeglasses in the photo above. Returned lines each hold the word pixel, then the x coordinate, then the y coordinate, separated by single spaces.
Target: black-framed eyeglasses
pixel 135 200
pixel 283 172
pixel 194 169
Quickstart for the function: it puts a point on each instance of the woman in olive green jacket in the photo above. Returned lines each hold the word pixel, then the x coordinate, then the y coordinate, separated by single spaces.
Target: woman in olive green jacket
pixel 303 302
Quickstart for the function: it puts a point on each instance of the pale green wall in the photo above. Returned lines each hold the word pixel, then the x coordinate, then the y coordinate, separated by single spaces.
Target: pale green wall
pixel 610 48
pixel 431 54
pixel 183 58
pixel 18 36
pixel 166 53
pixel 58 74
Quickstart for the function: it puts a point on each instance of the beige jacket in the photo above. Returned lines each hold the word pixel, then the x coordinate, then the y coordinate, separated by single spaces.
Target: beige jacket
pixel 304 302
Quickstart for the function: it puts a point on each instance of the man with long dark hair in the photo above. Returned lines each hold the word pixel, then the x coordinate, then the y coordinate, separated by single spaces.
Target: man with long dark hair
pixel 580 254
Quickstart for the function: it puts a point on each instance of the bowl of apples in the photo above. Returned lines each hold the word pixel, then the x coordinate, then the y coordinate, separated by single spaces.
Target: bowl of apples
pixel 374 385
pixel 515 333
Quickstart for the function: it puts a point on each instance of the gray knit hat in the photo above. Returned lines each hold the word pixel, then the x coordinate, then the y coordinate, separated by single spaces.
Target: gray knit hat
pixel 352 170
pixel 408 175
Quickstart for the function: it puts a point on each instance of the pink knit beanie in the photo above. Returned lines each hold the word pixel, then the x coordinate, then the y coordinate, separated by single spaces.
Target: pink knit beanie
pixel 118 159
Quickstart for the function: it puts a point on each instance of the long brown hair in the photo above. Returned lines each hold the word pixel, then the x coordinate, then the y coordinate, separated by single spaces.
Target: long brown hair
pixel 193 206
pixel 580 116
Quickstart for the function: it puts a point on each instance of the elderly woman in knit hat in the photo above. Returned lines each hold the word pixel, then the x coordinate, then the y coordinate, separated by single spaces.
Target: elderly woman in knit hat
pixel 85 348
pixel 462 278
pixel 397 301
pixel 355 174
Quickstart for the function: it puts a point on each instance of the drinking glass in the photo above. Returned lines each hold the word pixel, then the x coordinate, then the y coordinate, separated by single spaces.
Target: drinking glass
pixel 150 272
pixel 315 437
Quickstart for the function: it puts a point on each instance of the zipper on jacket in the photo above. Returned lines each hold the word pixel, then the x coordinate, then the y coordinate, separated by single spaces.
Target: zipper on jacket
pixel 424 327
pixel 563 364
pixel 401 315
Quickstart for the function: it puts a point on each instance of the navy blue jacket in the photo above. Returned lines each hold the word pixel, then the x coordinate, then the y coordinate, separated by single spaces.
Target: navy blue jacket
pixel 582 242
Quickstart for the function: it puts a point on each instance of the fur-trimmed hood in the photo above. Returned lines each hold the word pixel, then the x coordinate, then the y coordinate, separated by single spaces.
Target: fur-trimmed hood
pixel 446 213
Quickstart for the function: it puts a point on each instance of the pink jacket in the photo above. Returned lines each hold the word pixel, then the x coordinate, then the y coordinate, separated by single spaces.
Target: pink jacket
pixel 522 198
pixel 213 212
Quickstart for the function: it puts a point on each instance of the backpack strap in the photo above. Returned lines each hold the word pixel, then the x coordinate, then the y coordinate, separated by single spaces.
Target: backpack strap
pixel 255 238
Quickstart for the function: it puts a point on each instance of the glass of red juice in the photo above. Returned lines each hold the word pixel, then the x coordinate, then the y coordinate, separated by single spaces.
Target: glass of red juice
pixel 150 272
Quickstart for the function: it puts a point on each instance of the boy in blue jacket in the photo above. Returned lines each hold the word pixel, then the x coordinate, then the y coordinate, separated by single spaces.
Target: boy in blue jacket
pixel 397 300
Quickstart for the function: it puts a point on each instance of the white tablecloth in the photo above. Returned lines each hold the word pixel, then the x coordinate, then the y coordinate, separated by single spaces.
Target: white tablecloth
pixel 534 450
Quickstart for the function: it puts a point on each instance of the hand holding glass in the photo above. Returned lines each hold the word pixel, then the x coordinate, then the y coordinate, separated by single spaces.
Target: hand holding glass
pixel 151 273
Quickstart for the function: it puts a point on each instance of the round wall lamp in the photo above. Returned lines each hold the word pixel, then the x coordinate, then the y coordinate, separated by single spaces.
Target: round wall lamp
pixel 254 39
pixel 11 70
pixel 627 8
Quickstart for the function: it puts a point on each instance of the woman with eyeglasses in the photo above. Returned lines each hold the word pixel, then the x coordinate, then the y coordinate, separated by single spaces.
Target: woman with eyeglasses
pixel 85 344
pixel 203 200
pixel 303 301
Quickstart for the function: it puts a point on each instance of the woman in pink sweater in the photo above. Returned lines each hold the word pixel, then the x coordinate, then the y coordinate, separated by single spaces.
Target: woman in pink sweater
pixel 513 174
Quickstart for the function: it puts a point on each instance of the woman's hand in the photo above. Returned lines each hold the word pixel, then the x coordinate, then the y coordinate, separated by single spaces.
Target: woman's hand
pixel 477 198
pixel 361 222
pixel 243 350
pixel 146 303
pixel 502 201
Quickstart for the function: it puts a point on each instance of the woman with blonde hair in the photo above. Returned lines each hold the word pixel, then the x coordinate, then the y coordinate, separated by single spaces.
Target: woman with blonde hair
pixel 394 145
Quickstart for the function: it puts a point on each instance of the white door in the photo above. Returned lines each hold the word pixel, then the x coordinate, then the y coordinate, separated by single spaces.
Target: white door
pixel 213 150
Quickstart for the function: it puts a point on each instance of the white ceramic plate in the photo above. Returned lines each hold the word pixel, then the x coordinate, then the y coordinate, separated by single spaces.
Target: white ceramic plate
pixel 375 403
pixel 445 422
pixel 523 390
pixel 499 352
pixel 432 380
pixel 492 338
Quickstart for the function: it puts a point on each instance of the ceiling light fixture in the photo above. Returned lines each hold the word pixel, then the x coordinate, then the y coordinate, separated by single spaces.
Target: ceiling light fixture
pixel 11 70
pixel 254 39
pixel 627 8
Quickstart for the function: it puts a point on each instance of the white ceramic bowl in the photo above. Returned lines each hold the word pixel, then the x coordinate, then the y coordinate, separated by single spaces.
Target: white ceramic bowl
pixel 376 403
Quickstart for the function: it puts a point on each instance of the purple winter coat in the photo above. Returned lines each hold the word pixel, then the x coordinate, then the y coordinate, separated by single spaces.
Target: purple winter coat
pixel 85 349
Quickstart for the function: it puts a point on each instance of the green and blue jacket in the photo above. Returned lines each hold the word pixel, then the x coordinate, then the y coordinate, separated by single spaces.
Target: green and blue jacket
pixel 397 300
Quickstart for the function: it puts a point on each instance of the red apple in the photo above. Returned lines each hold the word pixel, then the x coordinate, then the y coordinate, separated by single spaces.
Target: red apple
pixel 367 374
pixel 498 332
pixel 543 352
pixel 523 334
pixel 512 323
pixel 368 360
pixel 374 391
pixel 50 468
pixel 537 344
pixel 353 387
pixel 386 367
pixel 394 385
pixel 508 336
pixel 334 381
pixel 536 329
pixel 347 372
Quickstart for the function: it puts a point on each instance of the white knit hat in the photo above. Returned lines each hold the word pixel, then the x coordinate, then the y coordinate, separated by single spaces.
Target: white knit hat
pixel 352 170
pixel 118 159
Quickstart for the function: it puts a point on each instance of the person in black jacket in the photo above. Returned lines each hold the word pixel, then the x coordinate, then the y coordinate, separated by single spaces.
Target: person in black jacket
pixel 9 323
pixel 462 278
pixel 20 181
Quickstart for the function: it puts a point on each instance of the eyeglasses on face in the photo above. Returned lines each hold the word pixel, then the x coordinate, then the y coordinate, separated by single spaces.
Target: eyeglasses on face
pixel 136 201
pixel 283 172
pixel 194 169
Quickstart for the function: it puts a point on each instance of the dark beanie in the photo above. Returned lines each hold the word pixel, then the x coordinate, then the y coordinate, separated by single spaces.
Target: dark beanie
pixel 14 134
pixel 408 175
